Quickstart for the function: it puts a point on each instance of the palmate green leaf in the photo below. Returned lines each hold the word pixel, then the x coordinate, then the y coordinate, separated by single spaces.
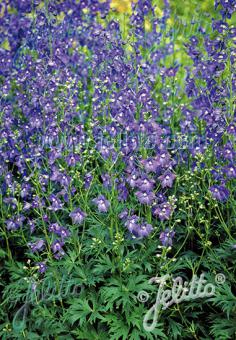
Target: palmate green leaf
pixel 16 270
pixel 175 329
pixel 70 261
pixel 225 299
pixel 39 320
pixel 135 321
pixel 86 275
pixel 104 265
pixel 15 292
pixel 157 333
pixel 137 283
pixel 88 332
pixel 226 250
pixel 78 312
pixel 116 295
pixel 118 328
pixel 135 334
pixel 45 316
pixel 135 316
pixel 119 292
pixel 223 329
pixel 84 309
pixel 223 258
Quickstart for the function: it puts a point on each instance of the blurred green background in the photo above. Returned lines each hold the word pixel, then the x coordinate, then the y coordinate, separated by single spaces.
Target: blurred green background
pixel 181 7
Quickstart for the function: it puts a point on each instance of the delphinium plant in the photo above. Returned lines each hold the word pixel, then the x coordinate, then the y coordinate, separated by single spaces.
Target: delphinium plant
pixel 117 165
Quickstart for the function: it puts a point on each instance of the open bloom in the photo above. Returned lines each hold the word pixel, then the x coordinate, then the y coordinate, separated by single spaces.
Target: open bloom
pixel 228 152
pixel 102 203
pixel 166 237
pixel 144 230
pixel 42 267
pixel 145 184
pixel 132 223
pixel 77 216
pixel 56 203
pixel 58 230
pixel 72 159
pixel 37 246
pixel 219 192
pixel 150 164
pixel 163 211
pixel 145 197
pixel 136 228
pixel 124 214
pixel 57 249
pixel 230 171
pixel 163 159
pixel 167 179
pixel 133 180
pixel 15 223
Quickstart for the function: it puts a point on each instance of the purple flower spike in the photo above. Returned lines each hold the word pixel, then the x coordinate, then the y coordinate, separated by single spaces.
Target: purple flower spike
pixel 77 216
pixel 102 203
pixel 219 192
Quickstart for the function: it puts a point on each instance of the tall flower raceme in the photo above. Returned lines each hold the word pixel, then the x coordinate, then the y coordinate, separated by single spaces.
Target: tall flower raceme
pixel 130 110
pixel 80 114
pixel 212 101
